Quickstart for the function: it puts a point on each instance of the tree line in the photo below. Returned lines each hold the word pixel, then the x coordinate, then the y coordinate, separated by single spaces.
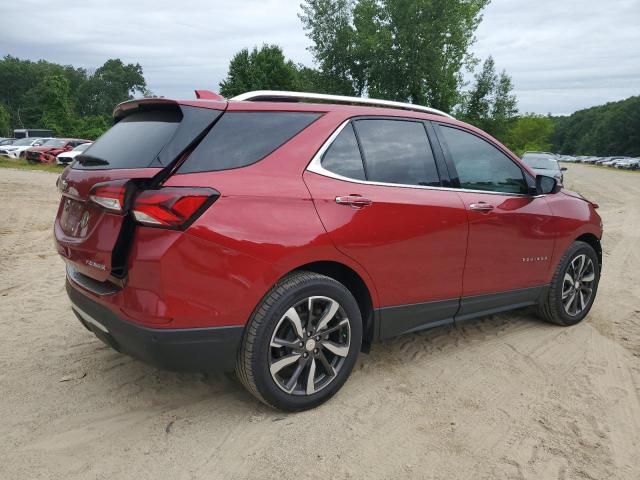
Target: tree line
pixel 611 129
pixel 415 51
pixel 68 100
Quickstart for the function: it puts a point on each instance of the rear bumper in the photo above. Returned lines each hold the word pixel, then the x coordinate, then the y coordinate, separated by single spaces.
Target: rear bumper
pixel 183 350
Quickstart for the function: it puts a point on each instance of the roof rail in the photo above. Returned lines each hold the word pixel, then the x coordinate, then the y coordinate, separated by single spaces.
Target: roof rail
pixel 275 96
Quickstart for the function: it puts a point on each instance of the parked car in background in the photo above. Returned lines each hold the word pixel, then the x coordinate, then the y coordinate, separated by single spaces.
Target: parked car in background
pixel 626 163
pixel 276 237
pixel 18 148
pixel 66 158
pixel 49 150
pixel 6 141
pixel 545 164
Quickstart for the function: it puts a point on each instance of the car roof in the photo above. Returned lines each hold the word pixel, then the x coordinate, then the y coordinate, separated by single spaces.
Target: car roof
pixel 292 101
pixel 300 102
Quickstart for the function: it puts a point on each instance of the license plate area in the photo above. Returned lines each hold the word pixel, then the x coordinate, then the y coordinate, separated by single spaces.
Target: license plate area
pixel 71 218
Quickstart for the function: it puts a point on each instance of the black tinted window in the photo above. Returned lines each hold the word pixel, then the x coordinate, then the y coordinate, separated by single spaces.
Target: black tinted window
pixel 397 151
pixel 480 165
pixel 343 156
pixel 133 142
pixel 239 139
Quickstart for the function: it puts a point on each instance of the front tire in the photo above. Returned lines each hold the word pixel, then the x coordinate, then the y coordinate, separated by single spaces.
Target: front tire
pixel 301 342
pixel 573 288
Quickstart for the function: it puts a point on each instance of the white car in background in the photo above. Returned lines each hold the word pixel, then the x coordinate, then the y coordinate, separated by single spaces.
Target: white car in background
pixel 66 158
pixel 17 148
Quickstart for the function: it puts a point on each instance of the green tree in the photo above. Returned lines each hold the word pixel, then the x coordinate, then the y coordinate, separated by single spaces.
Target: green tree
pixel 530 132
pixel 112 83
pixel 476 107
pixel 490 104
pixel 48 105
pixel 505 106
pixel 5 122
pixel 18 78
pixel 261 69
pixel 68 95
pixel 91 127
pixel 407 50
pixel 329 25
pixel 606 130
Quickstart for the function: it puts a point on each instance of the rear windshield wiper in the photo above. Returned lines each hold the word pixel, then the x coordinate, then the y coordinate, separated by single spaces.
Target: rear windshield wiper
pixel 88 161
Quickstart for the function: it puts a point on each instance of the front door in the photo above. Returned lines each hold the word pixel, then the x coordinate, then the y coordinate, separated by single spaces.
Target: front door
pixel 511 235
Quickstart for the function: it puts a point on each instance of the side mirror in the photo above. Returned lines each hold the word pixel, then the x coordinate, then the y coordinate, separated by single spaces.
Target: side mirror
pixel 563 169
pixel 546 185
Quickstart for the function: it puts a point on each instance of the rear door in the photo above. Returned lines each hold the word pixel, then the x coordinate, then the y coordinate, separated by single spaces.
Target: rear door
pixel 141 147
pixel 377 191
pixel 511 234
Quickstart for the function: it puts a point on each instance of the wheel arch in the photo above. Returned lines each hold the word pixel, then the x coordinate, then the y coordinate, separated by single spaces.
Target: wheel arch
pixel 354 282
pixel 594 241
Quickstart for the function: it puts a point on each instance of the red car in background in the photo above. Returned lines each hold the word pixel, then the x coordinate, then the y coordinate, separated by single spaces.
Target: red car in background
pixel 48 151
pixel 281 238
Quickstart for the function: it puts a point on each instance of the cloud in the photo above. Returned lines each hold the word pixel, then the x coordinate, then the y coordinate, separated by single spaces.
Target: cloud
pixel 562 55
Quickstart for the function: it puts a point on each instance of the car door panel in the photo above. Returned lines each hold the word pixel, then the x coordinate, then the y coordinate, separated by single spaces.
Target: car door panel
pixel 511 232
pixel 510 246
pixel 411 241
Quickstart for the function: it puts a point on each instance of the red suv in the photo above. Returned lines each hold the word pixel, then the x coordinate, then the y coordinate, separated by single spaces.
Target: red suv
pixel 49 150
pixel 280 238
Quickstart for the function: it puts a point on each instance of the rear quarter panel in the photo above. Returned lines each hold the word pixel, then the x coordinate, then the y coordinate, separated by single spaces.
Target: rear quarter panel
pixel 263 225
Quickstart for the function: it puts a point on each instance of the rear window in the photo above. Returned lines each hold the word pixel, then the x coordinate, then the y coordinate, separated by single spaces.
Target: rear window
pixel 133 142
pixel 239 139
pixel 397 151
pixel 54 143
pixel 343 156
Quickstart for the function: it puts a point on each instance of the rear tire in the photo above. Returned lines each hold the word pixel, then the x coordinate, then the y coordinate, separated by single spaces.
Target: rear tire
pixel 301 342
pixel 573 287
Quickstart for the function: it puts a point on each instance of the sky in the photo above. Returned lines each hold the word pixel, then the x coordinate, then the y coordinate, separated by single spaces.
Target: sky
pixel 562 55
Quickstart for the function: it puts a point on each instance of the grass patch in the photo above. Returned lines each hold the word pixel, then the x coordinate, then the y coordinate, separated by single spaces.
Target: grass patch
pixel 24 165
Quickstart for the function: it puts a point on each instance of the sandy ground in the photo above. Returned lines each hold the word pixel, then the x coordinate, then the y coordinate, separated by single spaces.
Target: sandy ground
pixel 503 397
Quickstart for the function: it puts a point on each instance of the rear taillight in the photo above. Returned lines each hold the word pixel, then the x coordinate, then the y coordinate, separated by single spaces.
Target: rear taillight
pixel 172 207
pixel 110 195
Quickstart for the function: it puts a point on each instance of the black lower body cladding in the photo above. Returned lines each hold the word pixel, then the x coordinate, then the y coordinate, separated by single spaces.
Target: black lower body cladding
pixel 182 350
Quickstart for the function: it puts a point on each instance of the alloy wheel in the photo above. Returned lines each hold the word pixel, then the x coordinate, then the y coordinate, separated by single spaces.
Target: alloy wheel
pixel 577 285
pixel 309 345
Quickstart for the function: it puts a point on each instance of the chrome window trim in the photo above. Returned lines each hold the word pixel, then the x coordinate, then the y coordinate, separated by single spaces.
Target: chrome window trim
pixel 315 166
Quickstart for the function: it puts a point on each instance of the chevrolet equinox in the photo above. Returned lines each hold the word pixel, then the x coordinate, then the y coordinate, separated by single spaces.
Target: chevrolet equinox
pixel 279 234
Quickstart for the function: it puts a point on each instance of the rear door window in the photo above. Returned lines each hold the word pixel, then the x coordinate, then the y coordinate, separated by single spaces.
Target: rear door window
pixel 397 151
pixel 343 156
pixel 133 142
pixel 239 139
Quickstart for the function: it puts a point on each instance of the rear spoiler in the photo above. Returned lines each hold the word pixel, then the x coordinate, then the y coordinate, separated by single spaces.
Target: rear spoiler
pixel 205 99
pixel 125 108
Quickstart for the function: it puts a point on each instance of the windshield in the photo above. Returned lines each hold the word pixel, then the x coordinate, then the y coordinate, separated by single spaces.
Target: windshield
pixel 82 148
pixel 541 162
pixel 54 143
pixel 23 142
